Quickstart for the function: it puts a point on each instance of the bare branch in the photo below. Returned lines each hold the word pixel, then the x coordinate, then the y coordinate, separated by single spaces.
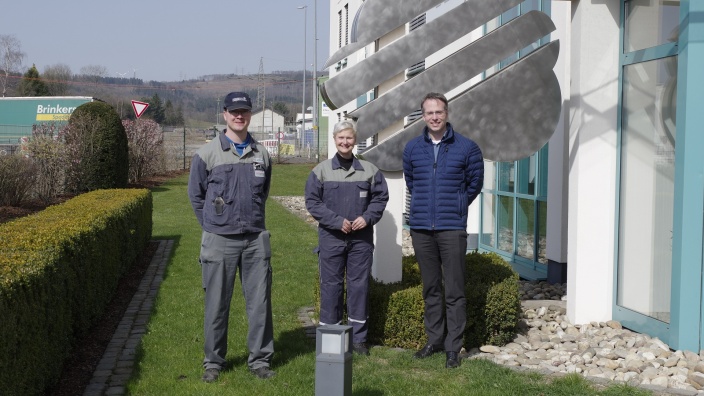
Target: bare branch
pixel 11 56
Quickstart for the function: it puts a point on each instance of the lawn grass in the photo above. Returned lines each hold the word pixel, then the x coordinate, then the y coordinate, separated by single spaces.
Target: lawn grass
pixel 169 358
pixel 289 180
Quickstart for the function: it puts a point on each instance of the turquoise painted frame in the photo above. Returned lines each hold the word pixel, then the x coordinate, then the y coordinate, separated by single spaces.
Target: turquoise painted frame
pixel 629 318
pixel 526 268
pixel 686 328
pixel 687 312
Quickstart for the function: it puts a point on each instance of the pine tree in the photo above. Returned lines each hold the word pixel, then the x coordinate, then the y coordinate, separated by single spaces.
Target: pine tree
pixel 157 109
pixel 32 84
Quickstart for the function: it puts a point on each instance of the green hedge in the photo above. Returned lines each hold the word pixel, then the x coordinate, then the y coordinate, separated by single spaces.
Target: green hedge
pixel 59 268
pixel 493 305
pixel 97 137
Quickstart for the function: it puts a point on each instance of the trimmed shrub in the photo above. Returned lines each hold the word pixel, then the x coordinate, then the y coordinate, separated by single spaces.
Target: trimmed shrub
pixel 97 148
pixel 493 305
pixel 493 300
pixel 59 268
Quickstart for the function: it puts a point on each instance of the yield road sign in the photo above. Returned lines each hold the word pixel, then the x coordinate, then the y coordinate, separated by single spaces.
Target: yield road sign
pixel 139 107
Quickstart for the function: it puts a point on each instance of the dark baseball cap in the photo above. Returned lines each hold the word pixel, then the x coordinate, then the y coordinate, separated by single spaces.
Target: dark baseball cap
pixel 237 100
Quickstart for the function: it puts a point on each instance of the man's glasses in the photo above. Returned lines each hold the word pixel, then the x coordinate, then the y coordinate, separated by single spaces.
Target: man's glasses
pixel 238 112
pixel 438 113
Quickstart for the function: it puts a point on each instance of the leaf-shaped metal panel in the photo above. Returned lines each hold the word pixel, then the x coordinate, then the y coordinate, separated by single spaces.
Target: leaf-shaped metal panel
pixel 451 72
pixel 510 115
pixel 376 18
pixel 411 49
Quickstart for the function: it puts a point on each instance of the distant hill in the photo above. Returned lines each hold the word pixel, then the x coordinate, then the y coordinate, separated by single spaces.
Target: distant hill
pixel 200 99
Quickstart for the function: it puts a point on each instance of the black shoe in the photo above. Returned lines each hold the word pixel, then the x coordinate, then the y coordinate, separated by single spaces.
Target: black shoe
pixel 453 360
pixel 211 375
pixel 427 351
pixel 361 348
pixel 263 372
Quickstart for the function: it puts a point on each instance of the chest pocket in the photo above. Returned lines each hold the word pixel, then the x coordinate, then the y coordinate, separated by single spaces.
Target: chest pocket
pixel 363 196
pixel 220 179
pixel 257 176
pixel 332 196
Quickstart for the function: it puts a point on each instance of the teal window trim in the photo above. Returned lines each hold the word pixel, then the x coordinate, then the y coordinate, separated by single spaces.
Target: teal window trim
pixel 648 54
pixel 629 318
pixel 688 231
pixel 531 269
pixel 619 146
pixel 637 320
pixel 685 330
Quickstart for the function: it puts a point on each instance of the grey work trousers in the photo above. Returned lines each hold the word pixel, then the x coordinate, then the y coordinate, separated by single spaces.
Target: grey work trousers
pixel 441 258
pixel 220 257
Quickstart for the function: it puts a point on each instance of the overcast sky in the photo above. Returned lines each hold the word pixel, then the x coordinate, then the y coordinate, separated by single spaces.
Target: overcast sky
pixel 167 40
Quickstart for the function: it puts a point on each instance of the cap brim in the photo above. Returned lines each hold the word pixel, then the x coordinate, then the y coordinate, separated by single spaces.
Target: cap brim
pixel 237 107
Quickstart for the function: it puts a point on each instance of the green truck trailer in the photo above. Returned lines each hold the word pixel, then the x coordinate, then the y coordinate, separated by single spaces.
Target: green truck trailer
pixel 19 114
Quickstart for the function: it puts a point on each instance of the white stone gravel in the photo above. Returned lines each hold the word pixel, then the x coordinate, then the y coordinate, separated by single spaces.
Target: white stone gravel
pixel 549 343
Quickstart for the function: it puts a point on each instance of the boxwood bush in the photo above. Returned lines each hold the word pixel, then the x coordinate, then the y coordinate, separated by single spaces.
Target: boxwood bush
pixel 97 148
pixel 59 268
pixel 493 305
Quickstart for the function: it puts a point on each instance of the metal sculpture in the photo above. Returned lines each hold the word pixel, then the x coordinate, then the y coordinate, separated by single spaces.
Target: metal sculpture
pixel 511 114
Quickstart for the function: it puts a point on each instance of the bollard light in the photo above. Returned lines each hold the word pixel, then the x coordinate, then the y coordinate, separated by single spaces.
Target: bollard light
pixel 333 360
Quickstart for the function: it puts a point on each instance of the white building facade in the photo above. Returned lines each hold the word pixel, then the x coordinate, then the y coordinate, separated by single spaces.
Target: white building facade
pixel 614 203
pixel 267 121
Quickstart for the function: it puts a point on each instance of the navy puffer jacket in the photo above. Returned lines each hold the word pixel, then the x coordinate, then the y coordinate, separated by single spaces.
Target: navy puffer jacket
pixel 442 190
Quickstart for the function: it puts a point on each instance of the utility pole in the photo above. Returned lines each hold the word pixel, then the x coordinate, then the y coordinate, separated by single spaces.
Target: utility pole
pixel 303 115
pixel 260 83
pixel 261 91
pixel 315 80
pixel 263 108
pixel 217 115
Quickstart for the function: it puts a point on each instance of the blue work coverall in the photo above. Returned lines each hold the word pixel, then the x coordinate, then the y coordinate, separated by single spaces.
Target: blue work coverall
pixel 332 195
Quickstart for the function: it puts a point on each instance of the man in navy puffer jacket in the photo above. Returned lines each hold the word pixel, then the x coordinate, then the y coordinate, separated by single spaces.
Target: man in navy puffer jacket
pixel 444 173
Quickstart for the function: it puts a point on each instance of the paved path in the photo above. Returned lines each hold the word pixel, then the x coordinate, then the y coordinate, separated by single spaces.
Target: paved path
pixel 115 368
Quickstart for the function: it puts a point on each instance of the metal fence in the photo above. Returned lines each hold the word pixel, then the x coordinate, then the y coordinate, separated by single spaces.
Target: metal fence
pixel 9 149
pixel 181 143
pixel 11 134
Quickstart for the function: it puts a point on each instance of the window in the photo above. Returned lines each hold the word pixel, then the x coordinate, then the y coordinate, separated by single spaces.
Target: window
pixel 347 24
pixel 514 211
pixel 339 30
pixel 514 198
pixel 650 23
pixel 647 157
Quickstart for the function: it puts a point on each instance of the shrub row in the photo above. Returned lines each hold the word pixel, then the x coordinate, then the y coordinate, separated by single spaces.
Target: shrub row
pixel 95 150
pixel 493 305
pixel 59 268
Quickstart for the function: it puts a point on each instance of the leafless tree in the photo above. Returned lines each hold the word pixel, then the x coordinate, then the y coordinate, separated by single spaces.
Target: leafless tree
pixel 94 74
pixel 56 78
pixel 146 148
pixel 11 56
pixel 94 71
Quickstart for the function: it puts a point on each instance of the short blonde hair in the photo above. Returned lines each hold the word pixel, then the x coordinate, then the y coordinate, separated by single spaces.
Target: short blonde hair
pixel 344 125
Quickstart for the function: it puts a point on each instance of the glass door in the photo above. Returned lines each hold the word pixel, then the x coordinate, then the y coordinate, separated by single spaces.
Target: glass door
pixel 647 165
